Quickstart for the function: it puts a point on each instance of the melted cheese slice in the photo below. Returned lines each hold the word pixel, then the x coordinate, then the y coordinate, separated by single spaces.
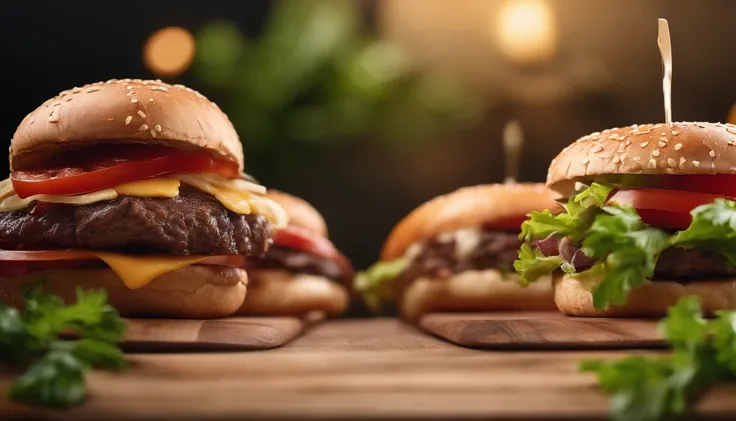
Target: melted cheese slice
pixel 152 187
pixel 138 271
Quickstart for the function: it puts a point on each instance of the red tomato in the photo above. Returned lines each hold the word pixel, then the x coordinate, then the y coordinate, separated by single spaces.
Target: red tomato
pixel 720 184
pixel 304 240
pixel 669 209
pixel 116 167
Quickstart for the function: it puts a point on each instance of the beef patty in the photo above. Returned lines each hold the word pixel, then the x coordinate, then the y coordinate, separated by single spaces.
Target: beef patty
pixel 191 223
pixel 297 261
pixel 438 259
pixel 673 264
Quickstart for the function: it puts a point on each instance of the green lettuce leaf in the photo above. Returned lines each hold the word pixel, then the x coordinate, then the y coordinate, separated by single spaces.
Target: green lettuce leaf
pixel 574 222
pixel 532 264
pixel 628 249
pixel 376 285
pixel 713 228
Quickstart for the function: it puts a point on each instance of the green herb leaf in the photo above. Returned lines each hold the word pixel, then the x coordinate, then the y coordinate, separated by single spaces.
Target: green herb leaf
pixel 662 388
pixel 376 283
pixel 532 264
pixel 56 380
pixel 713 227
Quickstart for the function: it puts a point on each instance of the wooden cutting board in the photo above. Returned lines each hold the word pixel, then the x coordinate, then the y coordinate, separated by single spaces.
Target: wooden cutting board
pixel 227 334
pixel 542 330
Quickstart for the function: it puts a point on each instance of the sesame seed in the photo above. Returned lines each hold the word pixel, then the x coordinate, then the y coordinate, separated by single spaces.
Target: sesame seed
pixel 153 133
pixel 613 136
pixel 128 119
pixel 141 113
pixel 150 99
pixel 69 98
pixel 134 100
pixel 143 127
pixel 652 163
pixel 157 128
pixel 678 146
pixel 159 88
pixel 616 159
pixel 130 93
pixel 644 144
pixel 628 143
pixel 636 159
pixel 56 104
pixel 671 162
pixel 597 149
pixel 157 80
pixel 145 82
pixel 682 162
pixel 675 132
pixel 90 90
pixel 731 130
pixel 712 154
pixel 664 134
pixel 662 144
pixel 701 125
pixel 655 152
pixel 128 87
pixel 76 90
pixel 696 164
pixel 663 139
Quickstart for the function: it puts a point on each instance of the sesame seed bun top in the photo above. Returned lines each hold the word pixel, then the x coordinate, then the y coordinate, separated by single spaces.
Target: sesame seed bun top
pixel 684 148
pixel 120 111
pixel 301 213
pixel 465 208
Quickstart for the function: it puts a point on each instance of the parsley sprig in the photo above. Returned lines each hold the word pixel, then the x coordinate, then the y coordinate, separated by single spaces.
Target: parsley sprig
pixel 57 367
pixel 664 387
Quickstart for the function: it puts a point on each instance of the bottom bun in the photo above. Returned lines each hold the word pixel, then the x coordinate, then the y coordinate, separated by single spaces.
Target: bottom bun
pixel 650 300
pixel 274 292
pixel 197 292
pixel 469 291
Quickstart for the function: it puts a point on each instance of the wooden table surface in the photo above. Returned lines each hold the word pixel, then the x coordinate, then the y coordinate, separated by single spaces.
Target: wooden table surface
pixel 352 369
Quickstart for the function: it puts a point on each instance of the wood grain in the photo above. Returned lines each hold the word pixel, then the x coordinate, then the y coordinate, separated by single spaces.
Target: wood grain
pixel 234 333
pixel 543 330
pixel 350 370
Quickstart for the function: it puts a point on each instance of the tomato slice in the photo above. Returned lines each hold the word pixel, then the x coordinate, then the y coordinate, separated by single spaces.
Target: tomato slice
pixel 668 209
pixel 21 262
pixel 305 240
pixel 115 167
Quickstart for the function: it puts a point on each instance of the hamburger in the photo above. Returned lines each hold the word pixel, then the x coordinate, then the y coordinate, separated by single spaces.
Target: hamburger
pixel 302 272
pixel 647 217
pixel 455 253
pixel 137 187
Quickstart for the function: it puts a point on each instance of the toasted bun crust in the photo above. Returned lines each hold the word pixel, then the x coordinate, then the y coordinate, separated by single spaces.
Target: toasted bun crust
pixel 198 292
pixel 684 148
pixel 465 207
pixel 650 300
pixel 274 292
pixel 301 213
pixel 124 111
pixel 475 291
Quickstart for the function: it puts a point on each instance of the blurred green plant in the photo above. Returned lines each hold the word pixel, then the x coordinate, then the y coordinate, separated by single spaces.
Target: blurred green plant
pixel 316 75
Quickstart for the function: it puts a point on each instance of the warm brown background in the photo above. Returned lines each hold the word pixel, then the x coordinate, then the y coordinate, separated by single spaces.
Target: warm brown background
pixel 606 72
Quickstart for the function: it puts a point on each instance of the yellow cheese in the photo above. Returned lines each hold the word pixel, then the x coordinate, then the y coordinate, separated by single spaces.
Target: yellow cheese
pixel 138 271
pixel 152 187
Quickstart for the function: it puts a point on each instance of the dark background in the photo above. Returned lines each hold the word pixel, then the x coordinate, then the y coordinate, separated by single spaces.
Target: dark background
pixel 605 72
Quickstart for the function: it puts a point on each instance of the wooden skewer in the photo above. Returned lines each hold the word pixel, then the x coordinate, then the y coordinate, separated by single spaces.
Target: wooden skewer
pixel 513 140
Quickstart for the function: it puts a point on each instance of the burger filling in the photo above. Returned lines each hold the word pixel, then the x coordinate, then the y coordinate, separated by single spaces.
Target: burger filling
pixel 477 248
pixel 142 210
pixel 298 250
pixel 615 238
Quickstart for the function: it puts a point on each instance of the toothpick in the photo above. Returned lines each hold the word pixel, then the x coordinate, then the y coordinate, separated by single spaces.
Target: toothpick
pixel 513 139
pixel 665 50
